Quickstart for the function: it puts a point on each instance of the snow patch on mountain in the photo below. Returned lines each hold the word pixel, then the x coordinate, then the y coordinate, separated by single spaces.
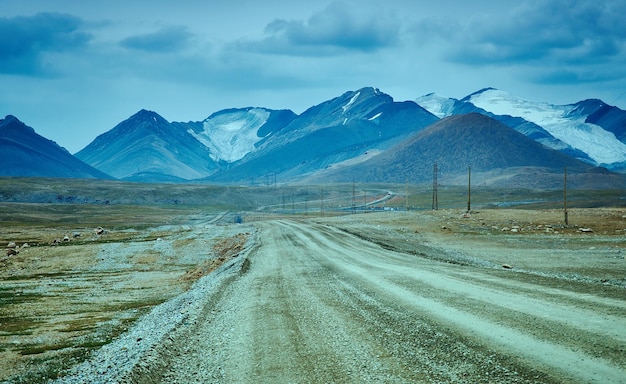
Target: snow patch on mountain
pixel 230 135
pixel 352 100
pixel 437 105
pixel 354 160
pixel 601 145
pixel 376 116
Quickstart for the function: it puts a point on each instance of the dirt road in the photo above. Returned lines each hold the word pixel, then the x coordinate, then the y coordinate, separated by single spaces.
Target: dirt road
pixel 316 304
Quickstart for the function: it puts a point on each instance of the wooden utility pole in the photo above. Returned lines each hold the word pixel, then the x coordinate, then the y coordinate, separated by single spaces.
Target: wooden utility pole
pixel 353 198
pixel 565 195
pixel 435 201
pixel 469 187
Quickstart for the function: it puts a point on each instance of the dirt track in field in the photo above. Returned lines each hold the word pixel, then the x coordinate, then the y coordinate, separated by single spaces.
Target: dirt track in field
pixel 320 305
pixel 500 296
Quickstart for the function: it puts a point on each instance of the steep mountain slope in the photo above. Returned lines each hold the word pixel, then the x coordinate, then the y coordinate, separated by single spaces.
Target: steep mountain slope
pixel 146 147
pixel 608 117
pixel 363 126
pixel 334 131
pixel 494 151
pixel 25 153
pixel 566 122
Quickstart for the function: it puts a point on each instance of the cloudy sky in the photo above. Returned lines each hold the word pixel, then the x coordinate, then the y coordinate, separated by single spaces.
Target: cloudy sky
pixel 74 69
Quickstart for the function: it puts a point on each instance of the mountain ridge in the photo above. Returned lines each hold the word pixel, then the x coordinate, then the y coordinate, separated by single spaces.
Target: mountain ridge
pixel 445 107
pixel 146 147
pixel 564 122
pixel 332 131
pixel 26 153
pixel 241 145
pixel 456 143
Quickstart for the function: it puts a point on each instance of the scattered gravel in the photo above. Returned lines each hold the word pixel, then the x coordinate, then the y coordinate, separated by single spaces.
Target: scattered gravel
pixel 319 304
pixel 118 361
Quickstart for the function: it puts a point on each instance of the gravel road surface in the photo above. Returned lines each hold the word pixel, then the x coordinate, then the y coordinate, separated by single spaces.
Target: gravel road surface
pixel 313 304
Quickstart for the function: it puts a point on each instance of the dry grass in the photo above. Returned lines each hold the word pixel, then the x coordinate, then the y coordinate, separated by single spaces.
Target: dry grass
pixel 59 302
pixel 224 250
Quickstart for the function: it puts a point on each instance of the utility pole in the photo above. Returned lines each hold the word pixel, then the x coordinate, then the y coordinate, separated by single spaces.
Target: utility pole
pixel 469 184
pixel 353 198
pixel 406 195
pixel 435 200
pixel 565 195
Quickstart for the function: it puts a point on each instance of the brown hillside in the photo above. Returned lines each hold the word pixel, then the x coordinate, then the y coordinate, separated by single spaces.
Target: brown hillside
pixel 457 142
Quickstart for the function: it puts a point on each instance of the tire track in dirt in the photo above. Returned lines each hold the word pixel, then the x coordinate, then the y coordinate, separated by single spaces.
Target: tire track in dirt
pixel 441 286
pixel 318 305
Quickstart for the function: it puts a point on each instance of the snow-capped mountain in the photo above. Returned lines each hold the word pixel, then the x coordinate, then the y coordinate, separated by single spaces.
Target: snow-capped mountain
pixel 444 107
pixel 575 129
pixel 146 147
pixel 25 153
pixel 498 155
pixel 565 122
pixel 365 126
pixel 332 132
pixel 608 117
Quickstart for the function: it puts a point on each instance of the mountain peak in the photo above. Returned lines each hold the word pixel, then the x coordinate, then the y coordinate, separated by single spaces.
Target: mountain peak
pixel 148 116
pixel 370 91
pixel 12 123
pixel 437 105
pixel 11 118
pixel 145 112
pixel 481 91
pixel 360 100
pixel 146 147
pixel 26 153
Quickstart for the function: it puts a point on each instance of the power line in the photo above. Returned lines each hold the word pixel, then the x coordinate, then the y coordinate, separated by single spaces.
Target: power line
pixel 618 97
